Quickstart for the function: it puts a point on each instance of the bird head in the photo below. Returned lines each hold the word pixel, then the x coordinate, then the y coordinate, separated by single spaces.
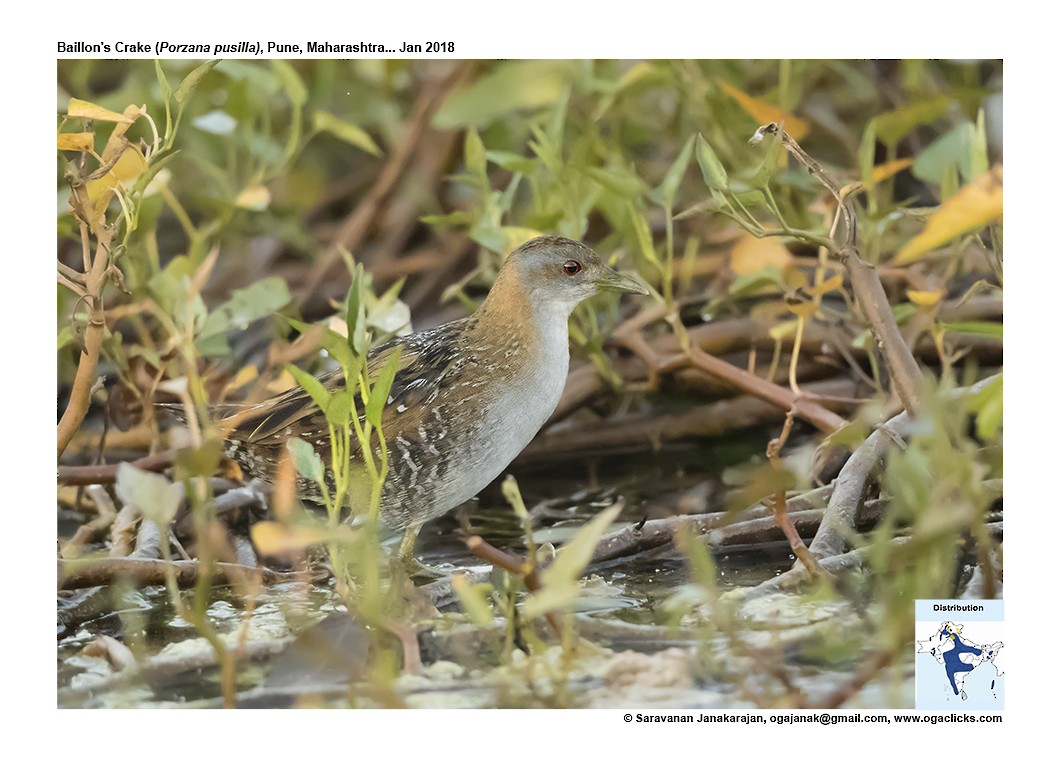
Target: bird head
pixel 558 274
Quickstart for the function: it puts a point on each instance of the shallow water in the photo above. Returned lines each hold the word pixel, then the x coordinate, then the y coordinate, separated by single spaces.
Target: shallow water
pixel 622 606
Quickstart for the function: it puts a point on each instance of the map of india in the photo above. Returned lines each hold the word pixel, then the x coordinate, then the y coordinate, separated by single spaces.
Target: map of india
pixel 959 656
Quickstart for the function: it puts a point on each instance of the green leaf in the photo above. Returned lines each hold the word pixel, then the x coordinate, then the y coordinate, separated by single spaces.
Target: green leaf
pixel 306 460
pixel 510 161
pixel 893 126
pixel 640 72
pixel 756 483
pixel 167 97
pixel 345 131
pixel 340 408
pixel 867 154
pixel 355 313
pixel 622 183
pixel 334 343
pixel 749 285
pixel 380 391
pixel 149 492
pixel 643 233
pixel 980 159
pixel 338 347
pixel 454 219
pixel 475 154
pixel 292 83
pixel 191 82
pixel 489 235
pixel 952 149
pixel 559 581
pixel 509 87
pixel 311 384
pixel 988 406
pixel 665 193
pixel 713 171
pixel 65 337
pixel 473 598
pixel 202 461
pixel 850 435
pixel 771 162
pixel 163 82
pixel 247 305
pixel 977 328
pixel 751 197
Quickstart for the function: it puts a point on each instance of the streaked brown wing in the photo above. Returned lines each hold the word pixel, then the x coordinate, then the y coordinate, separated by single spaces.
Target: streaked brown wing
pixel 427 359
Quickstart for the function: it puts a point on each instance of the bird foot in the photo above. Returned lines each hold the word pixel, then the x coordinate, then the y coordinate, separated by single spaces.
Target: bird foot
pixel 414 569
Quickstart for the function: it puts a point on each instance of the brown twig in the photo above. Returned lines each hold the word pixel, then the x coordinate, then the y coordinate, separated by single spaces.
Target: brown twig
pixel 780 503
pixel 95 528
pixel 654 534
pixel 864 280
pixel 123 531
pixel 851 486
pixel 354 228
pixel 621 434
pixel 107 473
pixel 585 384
pixel 852 482
pixel 524 569
pixel 92 572
pixel 763 530
pixel 814 413
pixel 95 330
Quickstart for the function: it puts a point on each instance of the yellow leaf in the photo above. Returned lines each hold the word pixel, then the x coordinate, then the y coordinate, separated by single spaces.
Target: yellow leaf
pixel 973 207
pixel 255 198
pixel 887 170
pixel 75 142
pixel 794 277
pixel 117 141
pixel 803 309
pixel 785 330
pixel 245 375
pixel 90 111
pixel 272 538
pixel 831 284
pixel 767 113
pixel 924 299
pixel 752 254
pixel 130 165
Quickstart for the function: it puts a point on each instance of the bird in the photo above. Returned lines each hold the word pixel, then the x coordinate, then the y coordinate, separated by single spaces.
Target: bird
pixel 467 397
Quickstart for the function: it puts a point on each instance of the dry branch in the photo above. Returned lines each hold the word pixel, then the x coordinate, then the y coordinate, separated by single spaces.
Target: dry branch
pixel 92 572
pixel 108 473
pixel 650 431
pixel 853 480
pixel 94 529
pixel 851 486
pixel 654 534
pixel 355 227
pixel 905 374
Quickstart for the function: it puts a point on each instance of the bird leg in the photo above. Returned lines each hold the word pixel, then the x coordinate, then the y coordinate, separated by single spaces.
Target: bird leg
pixel 406 556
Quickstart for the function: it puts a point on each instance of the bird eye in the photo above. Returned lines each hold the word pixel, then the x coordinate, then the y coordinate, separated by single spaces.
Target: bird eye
pixel 571 267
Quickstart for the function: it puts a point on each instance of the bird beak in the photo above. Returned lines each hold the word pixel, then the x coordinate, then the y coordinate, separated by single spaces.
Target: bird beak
pixel 613 281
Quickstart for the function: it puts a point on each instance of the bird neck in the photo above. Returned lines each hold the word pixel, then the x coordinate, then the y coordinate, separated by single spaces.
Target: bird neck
pixel 514 315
